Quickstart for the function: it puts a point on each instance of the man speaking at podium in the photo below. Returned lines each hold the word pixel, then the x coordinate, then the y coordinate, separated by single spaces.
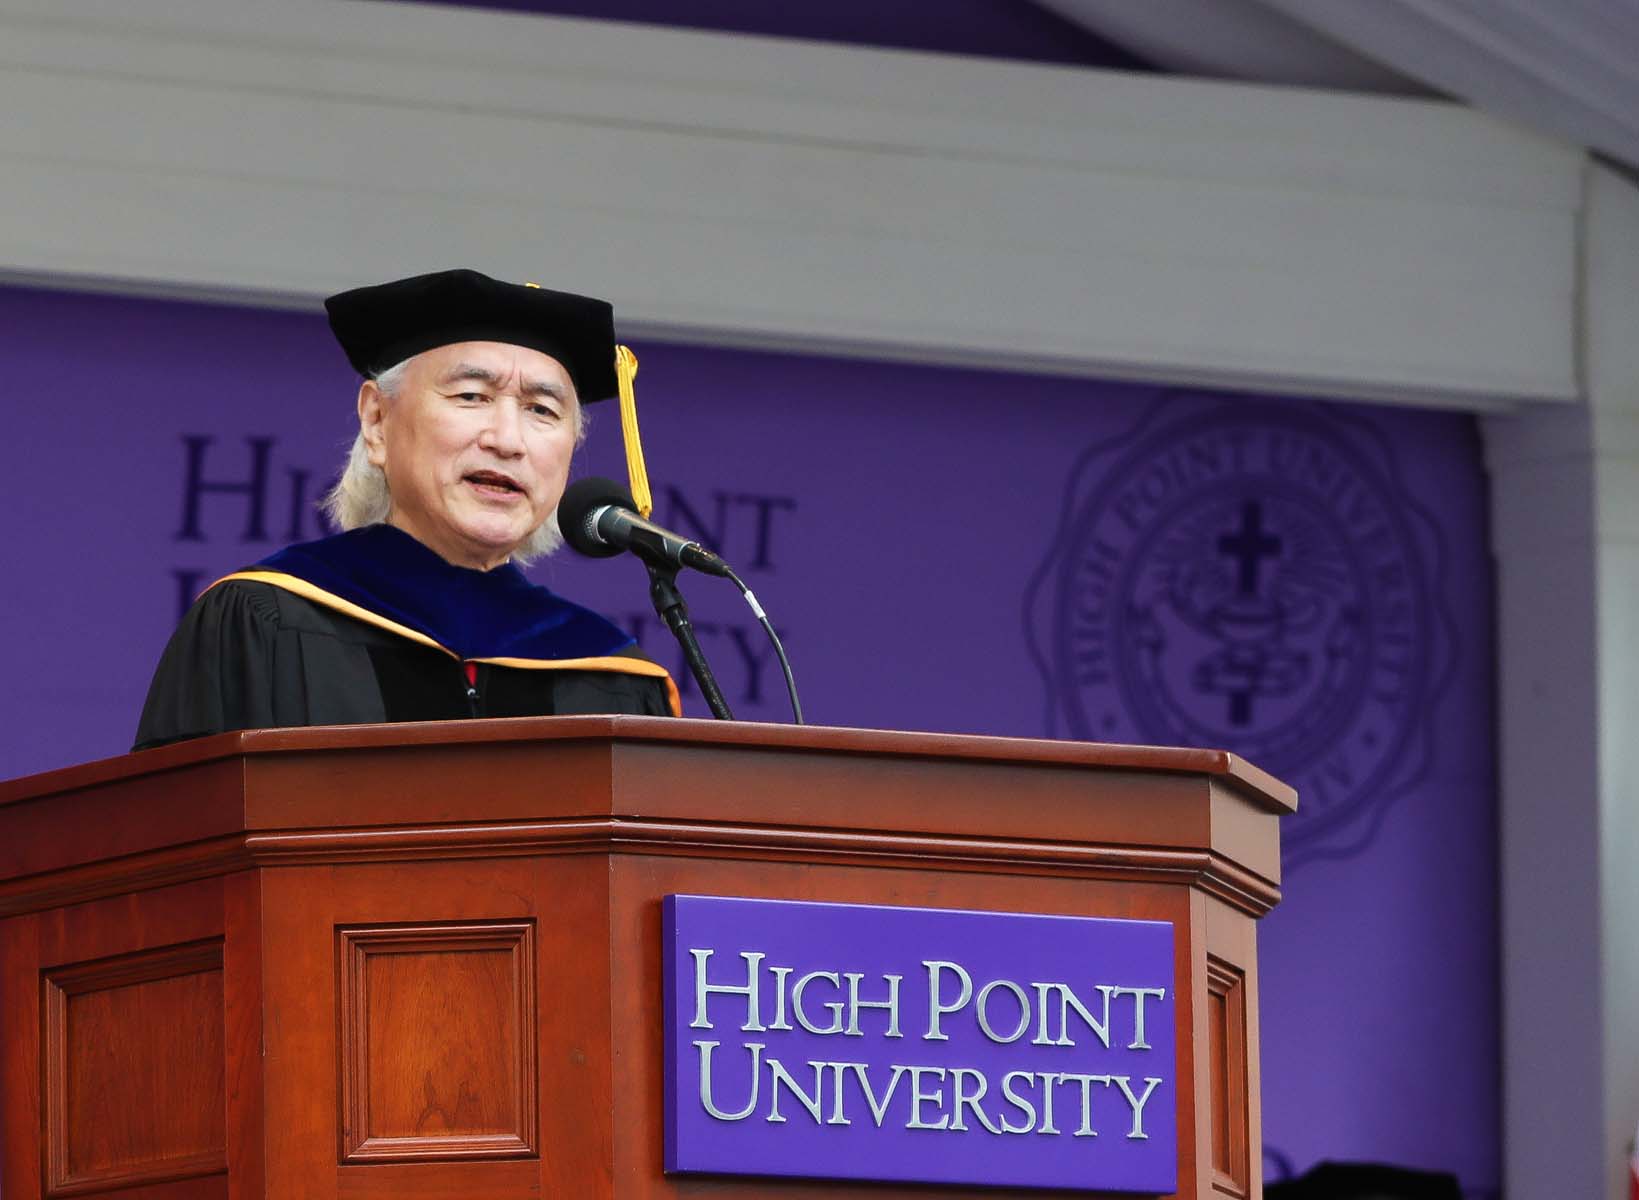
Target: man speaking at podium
pixel 468 414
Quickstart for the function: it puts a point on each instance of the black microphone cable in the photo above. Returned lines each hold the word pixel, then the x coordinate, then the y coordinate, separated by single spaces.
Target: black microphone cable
pixel 768 628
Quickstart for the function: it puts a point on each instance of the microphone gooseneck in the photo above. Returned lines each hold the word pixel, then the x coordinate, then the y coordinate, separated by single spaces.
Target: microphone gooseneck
pixel 669 606
pixel 598 518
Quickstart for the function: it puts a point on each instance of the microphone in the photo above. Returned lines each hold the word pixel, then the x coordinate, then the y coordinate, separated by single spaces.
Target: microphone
pixel 599 518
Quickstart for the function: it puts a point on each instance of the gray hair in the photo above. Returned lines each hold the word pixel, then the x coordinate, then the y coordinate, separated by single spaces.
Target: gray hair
pixel 361 498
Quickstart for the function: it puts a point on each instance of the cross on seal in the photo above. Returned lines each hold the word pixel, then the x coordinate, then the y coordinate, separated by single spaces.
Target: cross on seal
pixel 1249 545
pixel 1249 665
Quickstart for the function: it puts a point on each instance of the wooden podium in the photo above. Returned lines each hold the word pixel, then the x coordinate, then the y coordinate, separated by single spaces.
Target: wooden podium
pixel 423 960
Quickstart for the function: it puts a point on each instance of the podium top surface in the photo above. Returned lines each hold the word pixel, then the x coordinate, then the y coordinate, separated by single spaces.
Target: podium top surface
pixel 1256 785
pixel 631 785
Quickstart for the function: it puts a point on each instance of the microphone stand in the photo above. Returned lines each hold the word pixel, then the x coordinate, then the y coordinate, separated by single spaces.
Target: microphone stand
pixel 668 604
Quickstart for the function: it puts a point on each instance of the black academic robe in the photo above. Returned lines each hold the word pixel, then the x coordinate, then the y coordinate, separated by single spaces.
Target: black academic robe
pixel 268 648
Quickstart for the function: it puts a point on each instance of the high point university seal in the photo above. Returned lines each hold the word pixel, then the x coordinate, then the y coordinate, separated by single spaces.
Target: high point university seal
pixel 1254 578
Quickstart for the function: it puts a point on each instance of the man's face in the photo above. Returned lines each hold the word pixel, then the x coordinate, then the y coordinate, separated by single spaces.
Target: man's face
pixel 475 445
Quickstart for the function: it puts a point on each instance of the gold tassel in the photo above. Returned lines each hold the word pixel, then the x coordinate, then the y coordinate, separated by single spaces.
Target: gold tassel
pixel 636 471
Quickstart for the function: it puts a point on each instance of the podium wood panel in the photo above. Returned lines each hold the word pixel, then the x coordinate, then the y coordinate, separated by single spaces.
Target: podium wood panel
pixel 424 960
pixel 156 1016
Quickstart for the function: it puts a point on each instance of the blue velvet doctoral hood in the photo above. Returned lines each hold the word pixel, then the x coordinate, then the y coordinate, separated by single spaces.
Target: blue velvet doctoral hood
pixel 477 614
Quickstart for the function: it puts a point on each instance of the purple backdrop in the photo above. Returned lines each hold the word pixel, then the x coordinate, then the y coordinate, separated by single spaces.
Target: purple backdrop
pixel 942 549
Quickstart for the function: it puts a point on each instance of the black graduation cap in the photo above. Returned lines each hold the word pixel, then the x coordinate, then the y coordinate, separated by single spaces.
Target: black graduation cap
pixel 383 325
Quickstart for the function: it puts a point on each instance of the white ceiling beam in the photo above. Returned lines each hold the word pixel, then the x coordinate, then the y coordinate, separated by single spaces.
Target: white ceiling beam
pixel 1568 68
pixel 742 190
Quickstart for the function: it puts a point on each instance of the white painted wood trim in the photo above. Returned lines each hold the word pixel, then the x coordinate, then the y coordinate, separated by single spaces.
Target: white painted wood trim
pixel 1565 535
pixel 760 191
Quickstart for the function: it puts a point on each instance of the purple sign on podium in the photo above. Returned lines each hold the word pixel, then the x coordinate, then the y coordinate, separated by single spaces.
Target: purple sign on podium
pixel 917 1045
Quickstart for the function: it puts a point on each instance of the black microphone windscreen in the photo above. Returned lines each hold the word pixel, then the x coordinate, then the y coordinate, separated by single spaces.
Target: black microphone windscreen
pixel 580 500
